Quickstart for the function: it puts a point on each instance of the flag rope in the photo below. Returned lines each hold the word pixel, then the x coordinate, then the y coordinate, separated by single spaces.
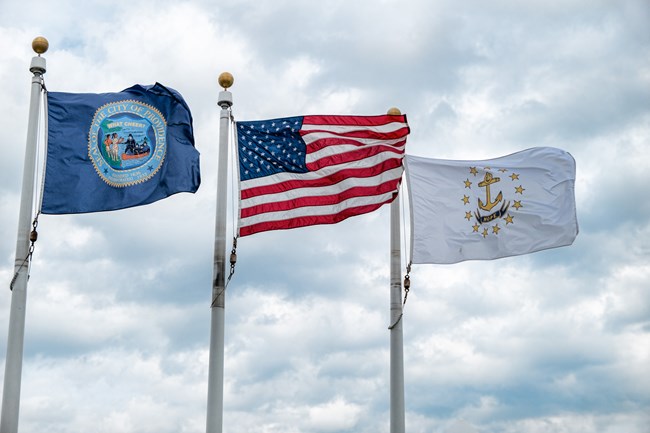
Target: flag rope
pixel 234 177
pixel 407 277
pixel 33 236
pixel 45 127
pixel 233 251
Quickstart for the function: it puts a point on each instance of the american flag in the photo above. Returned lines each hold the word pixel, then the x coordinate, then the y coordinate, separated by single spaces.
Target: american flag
pixel 307 170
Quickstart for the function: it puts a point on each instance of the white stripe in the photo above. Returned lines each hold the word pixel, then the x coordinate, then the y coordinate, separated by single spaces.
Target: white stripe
pixel 338 188
pixel 315 136
pixel 343 129
pixel 315 210
pixel 323 172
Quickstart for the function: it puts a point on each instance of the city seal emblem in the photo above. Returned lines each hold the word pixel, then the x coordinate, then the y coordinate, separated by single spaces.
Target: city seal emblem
pixel 127 142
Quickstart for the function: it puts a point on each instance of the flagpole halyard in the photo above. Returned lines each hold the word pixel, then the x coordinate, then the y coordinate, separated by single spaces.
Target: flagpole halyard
pixel 214 422
pixel 16 337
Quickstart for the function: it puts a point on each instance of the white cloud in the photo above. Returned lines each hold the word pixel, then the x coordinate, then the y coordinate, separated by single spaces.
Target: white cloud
pixel 335 415
pixel 118 317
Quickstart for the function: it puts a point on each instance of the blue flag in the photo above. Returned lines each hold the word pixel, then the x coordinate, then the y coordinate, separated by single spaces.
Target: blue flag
pixel 112 151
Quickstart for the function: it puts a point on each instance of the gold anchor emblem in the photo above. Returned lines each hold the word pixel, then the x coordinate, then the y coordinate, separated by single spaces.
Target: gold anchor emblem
pixel 487 181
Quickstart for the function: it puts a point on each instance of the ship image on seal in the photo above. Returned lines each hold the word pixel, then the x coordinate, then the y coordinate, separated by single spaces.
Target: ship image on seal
pixel 135 150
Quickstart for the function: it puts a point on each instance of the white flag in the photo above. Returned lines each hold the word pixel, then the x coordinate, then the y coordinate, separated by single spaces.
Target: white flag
pixel 483 210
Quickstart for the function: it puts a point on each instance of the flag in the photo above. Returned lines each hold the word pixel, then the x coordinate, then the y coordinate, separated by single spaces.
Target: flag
pixel 482 210
pixel 117 150
pixel 300 171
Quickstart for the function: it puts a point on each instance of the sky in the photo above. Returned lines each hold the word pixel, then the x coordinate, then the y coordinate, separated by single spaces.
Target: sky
pixel 118 317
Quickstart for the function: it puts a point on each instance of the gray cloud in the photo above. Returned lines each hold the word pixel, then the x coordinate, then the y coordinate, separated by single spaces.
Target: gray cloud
pixel 118 306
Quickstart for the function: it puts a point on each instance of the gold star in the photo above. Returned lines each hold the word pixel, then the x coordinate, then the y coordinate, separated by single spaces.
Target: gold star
pixel 465 199
pixel 467 183
pixel 496 229
pixel 503 170
pixel 509 219
pixel 519 189
pixel 468 216
pixel 485 233
pixel 517 204
pixel 473 171
pixel 514 176
pixel 475 227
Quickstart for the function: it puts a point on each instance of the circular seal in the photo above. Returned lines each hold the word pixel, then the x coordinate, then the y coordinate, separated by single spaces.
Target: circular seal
pixel 127 142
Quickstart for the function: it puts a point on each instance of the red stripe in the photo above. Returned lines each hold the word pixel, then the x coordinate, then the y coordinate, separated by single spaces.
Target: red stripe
pixel 351 156
pixel 389 135
pixel 358 191
pixel 332 179
pixel 353 120
pixel 311 220
pixel 326 142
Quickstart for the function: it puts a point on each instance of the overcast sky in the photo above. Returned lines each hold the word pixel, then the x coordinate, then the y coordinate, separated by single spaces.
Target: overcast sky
pixel 118 314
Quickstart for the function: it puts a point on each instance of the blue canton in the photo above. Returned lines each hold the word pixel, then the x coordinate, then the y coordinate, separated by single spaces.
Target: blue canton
pixel 270 146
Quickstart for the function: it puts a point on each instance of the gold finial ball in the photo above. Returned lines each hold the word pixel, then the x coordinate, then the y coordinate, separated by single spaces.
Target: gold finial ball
pixel 226 80
pixel 40 45
pixel 393 111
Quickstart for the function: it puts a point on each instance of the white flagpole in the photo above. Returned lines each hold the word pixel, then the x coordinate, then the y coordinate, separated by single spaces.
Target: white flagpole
pixel 397 417
pixel 16 337
pixel 214 422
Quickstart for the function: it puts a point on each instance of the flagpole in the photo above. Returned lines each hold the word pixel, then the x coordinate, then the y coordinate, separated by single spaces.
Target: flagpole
pixel 397 417
pixel 214 423
pixel 16 337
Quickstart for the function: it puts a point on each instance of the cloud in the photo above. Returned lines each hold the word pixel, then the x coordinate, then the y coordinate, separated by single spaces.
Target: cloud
pixel 118 310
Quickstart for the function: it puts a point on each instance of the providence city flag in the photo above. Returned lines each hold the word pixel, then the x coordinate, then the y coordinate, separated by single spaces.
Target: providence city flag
pixel 307 170
pixel 482 210
pixel 112 151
